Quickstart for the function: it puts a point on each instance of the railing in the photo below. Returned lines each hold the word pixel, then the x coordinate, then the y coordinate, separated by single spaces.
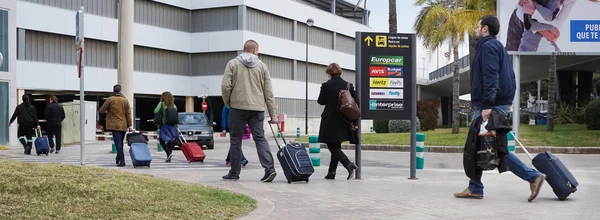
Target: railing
pixel 447 70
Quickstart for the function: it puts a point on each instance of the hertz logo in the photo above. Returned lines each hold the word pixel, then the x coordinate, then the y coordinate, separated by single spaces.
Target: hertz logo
pixel 379 82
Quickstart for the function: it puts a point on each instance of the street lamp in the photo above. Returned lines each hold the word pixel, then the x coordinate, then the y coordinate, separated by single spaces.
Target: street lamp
pixel 309 23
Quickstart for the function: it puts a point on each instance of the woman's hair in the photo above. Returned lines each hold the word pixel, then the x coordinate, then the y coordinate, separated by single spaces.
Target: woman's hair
pixel 167 98
pixel 334 69
pixel 53 98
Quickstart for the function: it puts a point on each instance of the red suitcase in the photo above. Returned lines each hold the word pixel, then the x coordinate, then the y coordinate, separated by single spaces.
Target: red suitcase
pixel 192 151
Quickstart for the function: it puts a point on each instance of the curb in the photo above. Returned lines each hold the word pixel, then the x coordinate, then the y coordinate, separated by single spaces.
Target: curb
pixel 459 149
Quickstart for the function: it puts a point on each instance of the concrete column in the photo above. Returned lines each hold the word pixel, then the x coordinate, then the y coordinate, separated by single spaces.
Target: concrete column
pixel 295 31
pixel 125 62
pixel 334 41
pixel 242 21
pixel 189 104
pixel 295 70
pixel 333 6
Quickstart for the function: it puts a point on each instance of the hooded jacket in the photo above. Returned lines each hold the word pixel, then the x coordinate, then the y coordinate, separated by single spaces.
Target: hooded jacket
pixel 246 84
pixel 27 115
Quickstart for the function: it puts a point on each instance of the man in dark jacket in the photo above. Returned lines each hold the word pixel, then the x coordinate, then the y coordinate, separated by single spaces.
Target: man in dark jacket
pixel 493 87
pixel 55 114
pixel 28 120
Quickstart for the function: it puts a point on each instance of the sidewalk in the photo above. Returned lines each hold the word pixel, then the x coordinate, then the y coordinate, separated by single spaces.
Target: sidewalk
pixel 383 193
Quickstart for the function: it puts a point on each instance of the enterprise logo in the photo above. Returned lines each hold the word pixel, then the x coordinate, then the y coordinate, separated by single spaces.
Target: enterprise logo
pixel 386 104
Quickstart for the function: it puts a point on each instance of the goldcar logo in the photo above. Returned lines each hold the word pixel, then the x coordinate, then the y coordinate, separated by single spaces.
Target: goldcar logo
pixel 379 82
pixel 387 60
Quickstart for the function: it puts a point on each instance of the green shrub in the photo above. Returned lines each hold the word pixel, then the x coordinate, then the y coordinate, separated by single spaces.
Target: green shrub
pixel 565 113
pixel 592 115
pixel 401 126
pixel 427 110
pixel 381 126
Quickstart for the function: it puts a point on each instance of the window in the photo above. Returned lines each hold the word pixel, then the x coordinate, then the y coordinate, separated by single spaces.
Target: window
pixel 4 113
pixel 4 40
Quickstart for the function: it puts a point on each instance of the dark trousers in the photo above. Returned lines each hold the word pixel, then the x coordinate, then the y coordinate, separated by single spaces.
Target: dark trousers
pixel 167 147
pixel 24 133
pixel 54 130
pixel 255 120
pixel 118 137
pixel 337 155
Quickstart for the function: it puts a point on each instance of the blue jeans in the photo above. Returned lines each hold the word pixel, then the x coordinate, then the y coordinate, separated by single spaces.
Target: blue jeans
pixel 118 137
pixel 515 165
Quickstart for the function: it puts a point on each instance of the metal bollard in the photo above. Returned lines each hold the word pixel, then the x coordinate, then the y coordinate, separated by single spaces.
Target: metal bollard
pixel 420 151
pixel 371 129
pixel 298 132
pixel 511 142
pixel 114 148
pixel 314 150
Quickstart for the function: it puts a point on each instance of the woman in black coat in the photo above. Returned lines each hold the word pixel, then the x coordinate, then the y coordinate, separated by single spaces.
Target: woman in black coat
pixel 334 129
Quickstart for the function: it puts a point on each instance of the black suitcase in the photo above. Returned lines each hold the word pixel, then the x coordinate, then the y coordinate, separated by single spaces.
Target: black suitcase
pixel 561 180
pixel 294 160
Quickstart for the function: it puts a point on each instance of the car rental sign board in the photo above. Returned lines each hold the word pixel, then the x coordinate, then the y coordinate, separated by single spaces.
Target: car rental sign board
pixel 385 67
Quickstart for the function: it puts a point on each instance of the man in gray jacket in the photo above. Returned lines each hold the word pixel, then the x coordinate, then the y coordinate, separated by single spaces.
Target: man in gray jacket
pixel 246 89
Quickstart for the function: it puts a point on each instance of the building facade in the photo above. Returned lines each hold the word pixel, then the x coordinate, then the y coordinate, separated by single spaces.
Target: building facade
pixel 181 46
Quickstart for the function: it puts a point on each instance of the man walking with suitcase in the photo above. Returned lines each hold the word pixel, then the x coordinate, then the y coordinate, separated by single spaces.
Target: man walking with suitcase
pixel 493 86
pixel 118 120
pixel 246 89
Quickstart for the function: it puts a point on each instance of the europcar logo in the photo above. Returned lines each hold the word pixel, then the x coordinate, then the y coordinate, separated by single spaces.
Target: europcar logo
pixel 379 82
pixel 395 71
pixel 372 104
pixel 387 60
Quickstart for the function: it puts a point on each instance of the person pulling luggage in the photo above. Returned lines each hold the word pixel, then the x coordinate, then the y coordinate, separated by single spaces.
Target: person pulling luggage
pixel 118 120
pixel 55 114
pixel 246 136
pixel 28 120
pixel 169 131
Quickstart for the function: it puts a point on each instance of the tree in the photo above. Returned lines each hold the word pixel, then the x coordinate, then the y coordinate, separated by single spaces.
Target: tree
pixel 447 20
pixel 392 17
pixel 551 93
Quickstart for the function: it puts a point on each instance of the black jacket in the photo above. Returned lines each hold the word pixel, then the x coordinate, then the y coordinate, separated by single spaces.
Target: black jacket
pixel 333 128
pixel 499 122
pixel 55 114
pixel 27 115
pixel 492 77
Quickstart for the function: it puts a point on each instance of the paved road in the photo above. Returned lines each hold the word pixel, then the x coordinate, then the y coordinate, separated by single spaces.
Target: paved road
pixel 383 193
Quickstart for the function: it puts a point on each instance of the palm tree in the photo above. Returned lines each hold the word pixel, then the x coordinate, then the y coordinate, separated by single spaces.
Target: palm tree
pixel 392 17
pixel 448 20
pixel 551 93
pixel 489 7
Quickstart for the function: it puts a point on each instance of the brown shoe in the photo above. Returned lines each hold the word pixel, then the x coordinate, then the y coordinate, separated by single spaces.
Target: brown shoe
pixel 535 186
pixel 467 194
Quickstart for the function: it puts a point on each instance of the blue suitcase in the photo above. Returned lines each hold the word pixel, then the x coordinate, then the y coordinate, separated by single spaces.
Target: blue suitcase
pixel 294 160
pixel 42 146
pixel 561 180
pixel 140 154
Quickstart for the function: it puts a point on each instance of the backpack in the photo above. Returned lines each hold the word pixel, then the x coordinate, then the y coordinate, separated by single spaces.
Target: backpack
pixel 172 116
pixel 347 106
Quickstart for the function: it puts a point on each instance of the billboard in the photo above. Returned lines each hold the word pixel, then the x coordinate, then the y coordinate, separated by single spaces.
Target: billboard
pixel 542 27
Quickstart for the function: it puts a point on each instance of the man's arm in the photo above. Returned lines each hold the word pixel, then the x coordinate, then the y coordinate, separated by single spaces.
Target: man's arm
pixel 226 84
pixel 490 75
pixel 562 15
pixel 104 106
pixel 268 92
pixel 322 95
pixel 128 114
pixel 62 113
pixel 548 13
pixel 14 116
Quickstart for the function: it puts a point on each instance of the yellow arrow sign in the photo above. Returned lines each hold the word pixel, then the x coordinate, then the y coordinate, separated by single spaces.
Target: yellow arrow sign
pixel 369 40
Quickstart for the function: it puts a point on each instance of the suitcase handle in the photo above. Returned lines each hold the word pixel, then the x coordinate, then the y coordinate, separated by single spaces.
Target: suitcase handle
pixel 521 145
pixel 37 135
pixel 275 135
pixel 181 138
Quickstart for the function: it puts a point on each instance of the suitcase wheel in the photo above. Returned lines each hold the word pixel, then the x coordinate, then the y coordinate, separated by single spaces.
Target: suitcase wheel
pixel 289 181
pixel 38 154
pixel 46 153
pixel 134 166
pixel 307 180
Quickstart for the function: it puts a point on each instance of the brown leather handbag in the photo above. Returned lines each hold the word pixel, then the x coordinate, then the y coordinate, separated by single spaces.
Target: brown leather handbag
pixel 348 108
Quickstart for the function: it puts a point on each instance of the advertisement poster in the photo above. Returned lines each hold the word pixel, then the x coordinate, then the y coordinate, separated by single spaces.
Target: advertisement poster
pixel 567 27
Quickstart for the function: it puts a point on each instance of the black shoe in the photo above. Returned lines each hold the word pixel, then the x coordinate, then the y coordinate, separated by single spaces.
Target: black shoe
pixel 351 169
pixel 121 164
pixel 116 161
pixel 269 177
pixel 231 177
pixel 244 163
pixel 330 176
pixel 168 160
pixel 57 151
pixel 51 150
pixel 28 150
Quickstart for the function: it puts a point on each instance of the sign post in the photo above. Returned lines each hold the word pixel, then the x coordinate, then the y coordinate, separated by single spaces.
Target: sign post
pixel 385 62
pixel 80 42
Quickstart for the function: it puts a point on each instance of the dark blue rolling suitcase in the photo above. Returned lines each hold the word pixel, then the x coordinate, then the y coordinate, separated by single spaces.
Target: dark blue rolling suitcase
pixel 42 146
pixel 138 149
pixel 561 180
pixel 294 160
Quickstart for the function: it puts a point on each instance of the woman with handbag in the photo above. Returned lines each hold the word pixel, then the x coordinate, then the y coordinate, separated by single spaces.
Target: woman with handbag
pixel 334 128
pixel 168 131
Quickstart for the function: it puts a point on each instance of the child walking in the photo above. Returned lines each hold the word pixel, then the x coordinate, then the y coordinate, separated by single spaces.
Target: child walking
pixel 246 136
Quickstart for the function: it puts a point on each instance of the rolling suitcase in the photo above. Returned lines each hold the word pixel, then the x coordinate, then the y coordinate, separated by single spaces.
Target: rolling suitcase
pixel 42 146
pixel 294 160
pixel 192 151
pixel 561 180
pixel 139 152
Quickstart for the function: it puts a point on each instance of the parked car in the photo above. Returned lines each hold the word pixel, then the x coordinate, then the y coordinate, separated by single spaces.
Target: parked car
pixel 195 127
